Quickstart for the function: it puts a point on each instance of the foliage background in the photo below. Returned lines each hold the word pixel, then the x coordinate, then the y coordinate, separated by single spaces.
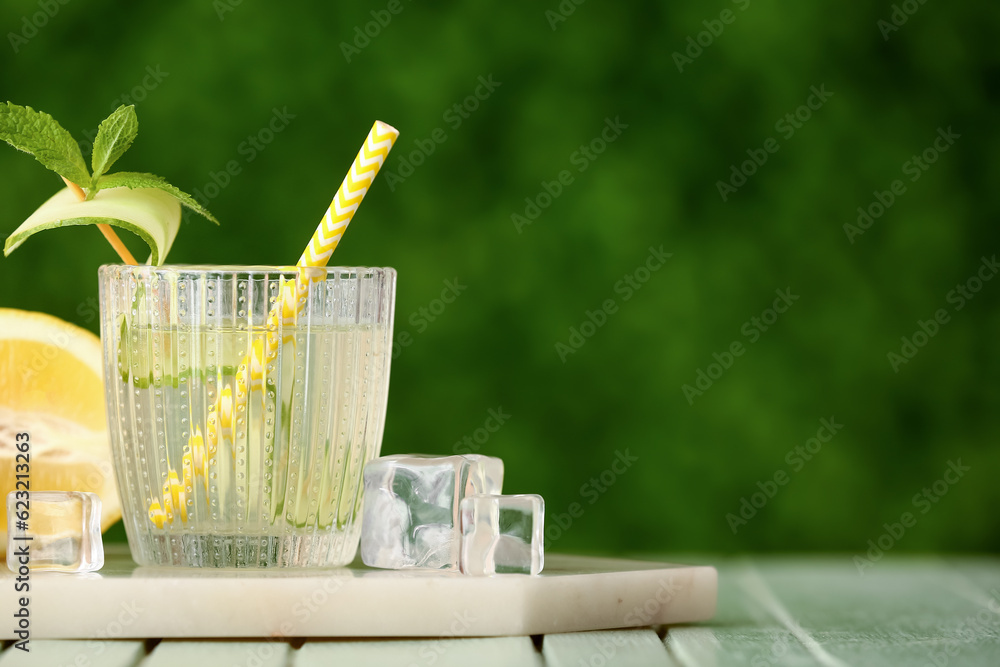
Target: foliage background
pixel 656 184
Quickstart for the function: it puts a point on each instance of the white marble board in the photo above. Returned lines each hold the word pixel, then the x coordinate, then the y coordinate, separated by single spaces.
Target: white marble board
pixel 574 593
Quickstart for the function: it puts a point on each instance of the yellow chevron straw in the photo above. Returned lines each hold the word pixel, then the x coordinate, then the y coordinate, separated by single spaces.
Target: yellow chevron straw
pixel 366 165
pixel 290 303
pixel 353 189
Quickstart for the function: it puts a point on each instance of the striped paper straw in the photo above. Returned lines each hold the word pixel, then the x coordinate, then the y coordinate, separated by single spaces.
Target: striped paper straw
pixel 353 189
pixel 366 165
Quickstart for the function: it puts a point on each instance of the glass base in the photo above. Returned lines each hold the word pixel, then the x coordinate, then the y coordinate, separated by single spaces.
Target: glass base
pixel 246 551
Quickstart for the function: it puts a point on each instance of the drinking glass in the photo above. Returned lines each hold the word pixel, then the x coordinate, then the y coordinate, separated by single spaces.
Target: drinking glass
pixel 243 403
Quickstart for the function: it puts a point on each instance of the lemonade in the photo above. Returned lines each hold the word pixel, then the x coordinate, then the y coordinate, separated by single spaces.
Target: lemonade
pixel 229 466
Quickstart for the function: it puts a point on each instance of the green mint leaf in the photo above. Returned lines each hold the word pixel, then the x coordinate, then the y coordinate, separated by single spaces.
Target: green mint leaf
pixel 114 136
pixel 134 179
pixel 40 135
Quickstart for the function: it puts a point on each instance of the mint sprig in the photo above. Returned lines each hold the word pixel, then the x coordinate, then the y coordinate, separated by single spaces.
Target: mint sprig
pixel 114 136
pixel 51 144
pixel 40 135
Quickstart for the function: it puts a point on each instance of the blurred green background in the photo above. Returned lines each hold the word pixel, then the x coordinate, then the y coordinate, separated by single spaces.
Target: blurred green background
pixel 206 77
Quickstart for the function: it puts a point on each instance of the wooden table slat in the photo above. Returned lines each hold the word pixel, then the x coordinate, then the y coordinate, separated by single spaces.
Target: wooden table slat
pixel 831 612
pixel 181 653
pixel 481 652
pixel 73 652
pixel 614 648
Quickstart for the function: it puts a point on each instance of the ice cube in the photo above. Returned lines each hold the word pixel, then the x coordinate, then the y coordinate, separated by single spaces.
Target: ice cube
pixel 54 530
pixel 486 477
pixel 411 505
pixel 502 534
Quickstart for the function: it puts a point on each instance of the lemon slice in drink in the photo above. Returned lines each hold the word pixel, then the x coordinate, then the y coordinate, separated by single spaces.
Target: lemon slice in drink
pixel 52 388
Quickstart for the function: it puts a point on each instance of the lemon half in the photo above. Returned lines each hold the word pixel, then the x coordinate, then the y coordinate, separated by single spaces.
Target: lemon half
pixel 52 388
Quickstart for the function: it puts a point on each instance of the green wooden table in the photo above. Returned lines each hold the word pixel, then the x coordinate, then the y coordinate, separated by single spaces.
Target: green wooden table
pixel 772 611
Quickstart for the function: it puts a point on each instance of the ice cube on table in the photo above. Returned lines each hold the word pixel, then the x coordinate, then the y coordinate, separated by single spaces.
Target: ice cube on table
pixel 411 505
pixel 54 530
pixel 502 534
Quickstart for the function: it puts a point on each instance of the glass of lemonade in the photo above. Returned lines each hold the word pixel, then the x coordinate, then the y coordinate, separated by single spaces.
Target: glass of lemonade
pixel 242 407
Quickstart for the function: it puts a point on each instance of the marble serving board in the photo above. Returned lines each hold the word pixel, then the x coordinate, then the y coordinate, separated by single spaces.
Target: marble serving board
pixel 573 593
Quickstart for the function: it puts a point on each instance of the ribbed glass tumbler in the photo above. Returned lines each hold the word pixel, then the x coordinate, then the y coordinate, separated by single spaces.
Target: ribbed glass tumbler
pixel 243 403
